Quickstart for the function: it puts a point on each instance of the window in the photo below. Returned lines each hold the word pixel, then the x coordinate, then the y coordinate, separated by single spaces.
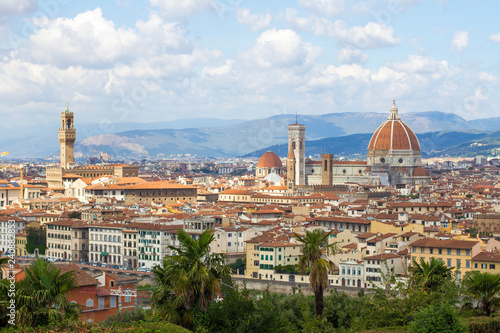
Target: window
pixel 449 263
pixel 475 265
pixel 467 263
pixel 431 250
pixel 414 250
pixel 458 263
pixel 440 251
pixel 101 303
pixel 458 252
pixel 467 252
pixel 422 250
pixel 449 252
pixel 492 266
pixel 89 303
pixel 112 301
pixel 484 266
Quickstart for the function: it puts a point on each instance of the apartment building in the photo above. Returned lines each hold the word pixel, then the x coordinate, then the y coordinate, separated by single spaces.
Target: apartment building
pixel 277 253
pixel 105 244
pixel 9 227
pixel 60 239
pixel 487 262
pixel 454 253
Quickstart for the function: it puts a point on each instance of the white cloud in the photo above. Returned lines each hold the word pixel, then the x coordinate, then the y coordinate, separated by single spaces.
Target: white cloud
pixel 255 21
pixel 487 77
pixel 91 41
pixel 495 38
pixel 371 35
pixel 17 7
pixel 328 8
pixel 181 9
pixel 460 41
pixel 87 40
pixel 349 55
pixel 420 64
pixel 280 48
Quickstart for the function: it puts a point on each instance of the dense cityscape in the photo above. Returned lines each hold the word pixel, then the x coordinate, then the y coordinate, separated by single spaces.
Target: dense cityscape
pixel 113 225
pixel 249 166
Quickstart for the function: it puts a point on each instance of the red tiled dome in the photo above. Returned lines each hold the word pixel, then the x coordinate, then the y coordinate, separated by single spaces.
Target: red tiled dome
pixel 269 160
pixel 420 172
pixel 394 134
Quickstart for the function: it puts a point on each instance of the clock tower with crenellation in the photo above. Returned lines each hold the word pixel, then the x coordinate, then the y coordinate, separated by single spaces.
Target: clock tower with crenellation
pixel 67 137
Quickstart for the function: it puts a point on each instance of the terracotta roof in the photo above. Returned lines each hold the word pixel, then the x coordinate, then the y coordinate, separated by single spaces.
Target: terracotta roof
pixel 269 160
pixel 394 134
pixel 82 278
pixel 383 256
pixel 487 256
pixel 445 243
pixel 420 172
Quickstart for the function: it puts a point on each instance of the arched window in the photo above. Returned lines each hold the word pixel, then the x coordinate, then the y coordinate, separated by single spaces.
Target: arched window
pixel 89 303
pixel 68 123
pixel 325 168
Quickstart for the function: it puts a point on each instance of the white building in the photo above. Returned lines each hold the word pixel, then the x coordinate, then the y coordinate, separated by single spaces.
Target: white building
pixel 105 244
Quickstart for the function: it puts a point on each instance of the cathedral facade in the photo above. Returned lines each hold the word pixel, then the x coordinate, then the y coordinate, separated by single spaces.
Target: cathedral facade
pixel 393 159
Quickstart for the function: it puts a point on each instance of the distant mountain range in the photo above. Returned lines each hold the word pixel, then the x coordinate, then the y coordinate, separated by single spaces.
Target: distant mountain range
pixel 340 133
pixel 432 144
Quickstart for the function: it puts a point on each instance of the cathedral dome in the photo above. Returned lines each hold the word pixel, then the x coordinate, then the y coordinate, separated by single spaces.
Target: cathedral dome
pixel 269 160
pixel 393 134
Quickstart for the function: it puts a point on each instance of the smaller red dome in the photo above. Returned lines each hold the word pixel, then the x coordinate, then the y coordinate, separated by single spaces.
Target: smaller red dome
pixel 269 160
pixel 420 172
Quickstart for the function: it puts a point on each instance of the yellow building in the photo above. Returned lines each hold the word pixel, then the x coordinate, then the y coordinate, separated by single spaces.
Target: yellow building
pixel 252 257
pixel 21 241
pixel 454 253
pixel 385 228
pixel 488 262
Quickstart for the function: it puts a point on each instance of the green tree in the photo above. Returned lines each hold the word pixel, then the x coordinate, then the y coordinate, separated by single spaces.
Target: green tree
pixel 75 215
pixel 429 275
pixel 315 250
pixel 36 239
pixel 190 279
pixel 484 289
pixel 441 318
pixel 41 296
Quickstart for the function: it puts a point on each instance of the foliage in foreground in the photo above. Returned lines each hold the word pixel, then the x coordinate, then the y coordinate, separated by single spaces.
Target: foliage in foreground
pixel 437 318
pixel 189 280
pixel 41 296
pixel 81 327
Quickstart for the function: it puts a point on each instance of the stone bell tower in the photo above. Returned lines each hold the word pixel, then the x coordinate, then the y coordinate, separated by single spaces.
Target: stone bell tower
pixel 67 137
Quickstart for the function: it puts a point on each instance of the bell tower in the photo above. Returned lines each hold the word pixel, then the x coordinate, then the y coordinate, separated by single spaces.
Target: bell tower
pixel 67 137
pixel 296 143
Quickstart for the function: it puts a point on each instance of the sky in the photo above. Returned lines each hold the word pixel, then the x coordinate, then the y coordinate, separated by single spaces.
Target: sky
pixel 160 60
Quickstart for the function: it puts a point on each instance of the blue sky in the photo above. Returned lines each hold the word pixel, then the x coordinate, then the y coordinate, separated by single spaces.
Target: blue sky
pixel 158 60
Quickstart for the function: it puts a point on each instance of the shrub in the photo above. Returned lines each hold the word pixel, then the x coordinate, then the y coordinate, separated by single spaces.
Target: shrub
pixel 441 318
pixel 483 325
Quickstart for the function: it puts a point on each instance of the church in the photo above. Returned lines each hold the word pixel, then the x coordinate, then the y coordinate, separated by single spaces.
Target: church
pixel 393 159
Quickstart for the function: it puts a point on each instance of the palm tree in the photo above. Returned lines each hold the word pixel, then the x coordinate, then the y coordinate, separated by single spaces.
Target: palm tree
pixel 41 295
pixel 315 249
pixel 190 278
pixel 429 276
pixel 484 289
